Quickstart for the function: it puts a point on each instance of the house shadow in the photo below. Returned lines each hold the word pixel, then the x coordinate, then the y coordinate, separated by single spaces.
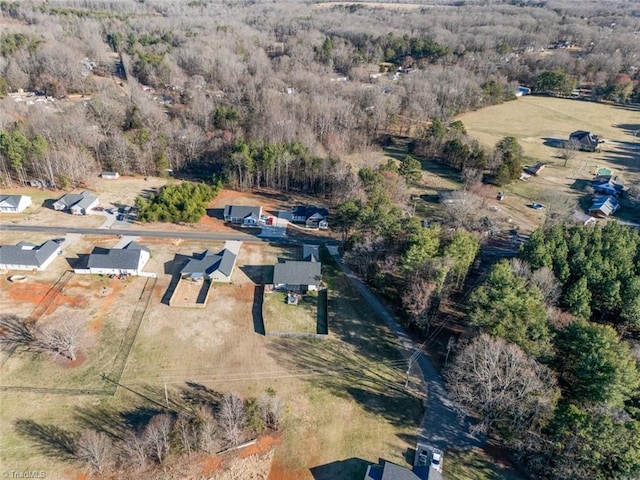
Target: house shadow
pixel 553 142
pixel 173 267
pixel 81 261
pixel 348 469
pixel 256 310
pixel 580 184
pixel 48 203
pixel 258 274
pixel 217 213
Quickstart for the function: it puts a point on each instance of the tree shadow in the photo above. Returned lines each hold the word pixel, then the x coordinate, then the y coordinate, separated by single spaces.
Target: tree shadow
pixel 256 310
pixel 340 470
pixel 51 440
pixel 194 393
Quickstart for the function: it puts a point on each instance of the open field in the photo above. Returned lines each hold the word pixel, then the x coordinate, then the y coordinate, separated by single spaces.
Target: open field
pixel 346 403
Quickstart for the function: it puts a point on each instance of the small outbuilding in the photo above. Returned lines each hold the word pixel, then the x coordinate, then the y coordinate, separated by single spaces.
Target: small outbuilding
pixel 110 175
pixel 14 203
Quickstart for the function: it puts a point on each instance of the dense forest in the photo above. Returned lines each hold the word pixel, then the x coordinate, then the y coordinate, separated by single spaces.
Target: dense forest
pixel 274 94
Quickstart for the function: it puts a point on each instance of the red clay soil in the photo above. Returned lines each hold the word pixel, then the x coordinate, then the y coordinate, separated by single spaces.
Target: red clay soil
pixel 279 472
pixel 31 292
pixel 263 445
pixel 210 464
pixel 81 357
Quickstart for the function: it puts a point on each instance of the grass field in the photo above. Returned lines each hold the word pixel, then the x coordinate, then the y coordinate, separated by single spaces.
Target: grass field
pixel 345 397
pixel 278 316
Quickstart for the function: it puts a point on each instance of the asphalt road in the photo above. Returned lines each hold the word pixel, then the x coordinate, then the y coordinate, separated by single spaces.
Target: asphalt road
pixel 132 232
pixel 441 427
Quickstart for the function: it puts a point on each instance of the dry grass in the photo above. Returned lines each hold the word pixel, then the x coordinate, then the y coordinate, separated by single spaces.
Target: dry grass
pixel 281 317
pixel 405 7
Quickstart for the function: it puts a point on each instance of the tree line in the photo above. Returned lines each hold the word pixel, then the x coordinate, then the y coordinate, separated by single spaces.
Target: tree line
pixel 178 87
pixel 561 386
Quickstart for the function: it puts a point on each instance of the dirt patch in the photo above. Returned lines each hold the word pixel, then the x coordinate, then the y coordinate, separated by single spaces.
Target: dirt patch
pixel 29 292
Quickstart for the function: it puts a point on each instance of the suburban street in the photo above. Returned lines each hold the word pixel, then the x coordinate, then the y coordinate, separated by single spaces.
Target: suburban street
pixel 131 232
pixel 441 427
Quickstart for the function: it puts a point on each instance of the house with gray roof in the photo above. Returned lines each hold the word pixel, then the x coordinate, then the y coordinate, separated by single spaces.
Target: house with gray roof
pixel 129 260
pixel 586 141
pixel 216 267
pixel 14 203
pixel 76 203
pixel 391 471
pixel 311 215
pixel 297 276
pixel 247 216
pixel 603 206
pixel 27 256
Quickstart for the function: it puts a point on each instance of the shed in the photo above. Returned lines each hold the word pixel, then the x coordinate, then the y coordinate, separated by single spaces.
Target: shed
pixel 603 206
pixel 110 175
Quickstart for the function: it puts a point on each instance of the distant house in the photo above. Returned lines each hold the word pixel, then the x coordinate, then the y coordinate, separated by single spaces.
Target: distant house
pixel 297 276
pixel 311 216
pixel 587 141
pixel 217 267
pixel 603 206
pixel 248 216
pixel 391 471
pixel 534 169
pixel 110 175
pixel 129 260
pixel 14 203
pixel 76 203
pixel 27 256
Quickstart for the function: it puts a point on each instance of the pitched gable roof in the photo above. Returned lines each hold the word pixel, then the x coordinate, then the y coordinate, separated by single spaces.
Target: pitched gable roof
pixel 392 471
pixel 310 253
pixel 242 211
pixel 297 273
pixel 83 199
pixel 127 258
pixel 604 205
pixel 25 253
pixel 11 201
pixel 208 262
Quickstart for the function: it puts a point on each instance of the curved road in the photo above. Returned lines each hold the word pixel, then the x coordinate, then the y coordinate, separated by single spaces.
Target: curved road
pixel 441 427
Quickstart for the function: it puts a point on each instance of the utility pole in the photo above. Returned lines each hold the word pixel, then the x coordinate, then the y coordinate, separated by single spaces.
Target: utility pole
pixel 406 383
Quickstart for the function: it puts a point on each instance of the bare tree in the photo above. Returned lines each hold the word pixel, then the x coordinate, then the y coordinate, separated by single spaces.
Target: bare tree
pixel 95 449
pixel 418 299
pixel 61 339
pixel 271 409
pixel 497 383
pixel 157 434
pixel 548 284
pixel 186 432
pixel 232 418
pixel 208 433
pixel 569 150
pixel 135 450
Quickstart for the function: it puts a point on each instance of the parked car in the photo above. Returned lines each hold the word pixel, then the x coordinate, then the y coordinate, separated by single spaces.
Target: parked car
pixel 436 460
pixel 423 459
pixel 536 206
pixel 98 209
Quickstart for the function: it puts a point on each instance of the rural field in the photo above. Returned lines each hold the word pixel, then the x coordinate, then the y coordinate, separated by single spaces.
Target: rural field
pixel 539 124
pixel 345 399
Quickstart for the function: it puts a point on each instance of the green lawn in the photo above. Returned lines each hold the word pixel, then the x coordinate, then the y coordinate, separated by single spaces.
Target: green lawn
pixel 282 317
pixel 475 465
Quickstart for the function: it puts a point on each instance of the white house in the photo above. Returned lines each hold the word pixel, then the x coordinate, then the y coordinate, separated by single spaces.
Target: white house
pixel 129 260
pixel 27 256
pixel 216 267
pixel 76 203
pixel 14 203
pixel 247 216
